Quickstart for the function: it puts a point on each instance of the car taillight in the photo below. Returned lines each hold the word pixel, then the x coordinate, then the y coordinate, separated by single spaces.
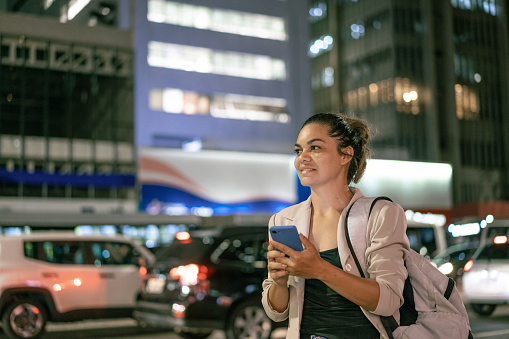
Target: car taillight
pixel 500 239
pixel 468 265
pixel 183 237
pixel 143 271
pixel 189 274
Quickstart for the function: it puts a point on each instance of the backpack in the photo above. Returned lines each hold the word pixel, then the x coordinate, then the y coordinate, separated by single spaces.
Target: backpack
pixel 432 306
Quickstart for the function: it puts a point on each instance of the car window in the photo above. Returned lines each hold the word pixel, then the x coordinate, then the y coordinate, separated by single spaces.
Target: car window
pixel 55 252
pixel 190 249
pixel 493 251
pixel 113 253
pixel 244 249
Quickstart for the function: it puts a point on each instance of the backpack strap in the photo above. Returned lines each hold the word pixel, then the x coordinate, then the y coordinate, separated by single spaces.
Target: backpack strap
pixel 389 323
pixel 363 224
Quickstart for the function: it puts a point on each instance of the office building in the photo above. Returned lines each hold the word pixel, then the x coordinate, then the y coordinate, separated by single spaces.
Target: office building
pixel 432 77
pixel 91 83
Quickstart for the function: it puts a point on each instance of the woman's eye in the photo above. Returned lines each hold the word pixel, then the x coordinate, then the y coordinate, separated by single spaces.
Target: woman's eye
pixel 313 148
pixel 297 151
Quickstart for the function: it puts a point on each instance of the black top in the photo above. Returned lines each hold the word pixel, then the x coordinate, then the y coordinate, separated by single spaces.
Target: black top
pixel 329 314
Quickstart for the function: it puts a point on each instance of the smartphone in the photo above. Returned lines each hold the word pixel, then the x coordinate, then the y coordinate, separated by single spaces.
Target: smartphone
pixel 287 235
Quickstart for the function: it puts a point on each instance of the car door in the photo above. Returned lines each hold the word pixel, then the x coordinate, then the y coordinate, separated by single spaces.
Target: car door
pixel 118 272
pixel 73 284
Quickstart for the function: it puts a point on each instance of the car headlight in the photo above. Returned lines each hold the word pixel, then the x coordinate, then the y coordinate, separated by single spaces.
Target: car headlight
pixel 446 268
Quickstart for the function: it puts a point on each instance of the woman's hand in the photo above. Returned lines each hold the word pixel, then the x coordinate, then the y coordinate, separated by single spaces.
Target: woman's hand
pixel 305 264
pixel 276 268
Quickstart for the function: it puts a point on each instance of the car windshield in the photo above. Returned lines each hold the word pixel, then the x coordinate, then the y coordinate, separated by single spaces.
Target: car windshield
pixel 190 249
pixel 494 251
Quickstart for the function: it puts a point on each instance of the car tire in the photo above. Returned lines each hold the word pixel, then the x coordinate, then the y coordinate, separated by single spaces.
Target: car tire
pixel 248 320
pixel 484 310
pixel 24 318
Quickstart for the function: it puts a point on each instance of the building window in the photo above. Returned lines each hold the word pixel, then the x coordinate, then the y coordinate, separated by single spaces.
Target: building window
pixel 205 60
pixel 486 6
pixel 467 103
pixel 215 19
pixel 227 106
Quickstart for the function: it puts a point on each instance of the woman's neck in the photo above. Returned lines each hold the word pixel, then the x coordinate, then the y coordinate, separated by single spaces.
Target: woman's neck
pixel 330 200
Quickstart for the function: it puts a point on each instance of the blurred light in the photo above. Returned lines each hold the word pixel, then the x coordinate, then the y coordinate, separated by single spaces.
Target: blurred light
pixel 468 265
pixel 77 282
pixel 489 218
pixel 108 230
pixel 477 77
pixel 76 7
pixel 202 211
pixel 500 239
pixel 446 268
pixel 428 218
pixel 178 310
pixel 464 229
pixel 143 270
pixel 48 3
pixel 173 100
pixel 183 236
pixel 194 145
pixel 57 287
pixel 9 97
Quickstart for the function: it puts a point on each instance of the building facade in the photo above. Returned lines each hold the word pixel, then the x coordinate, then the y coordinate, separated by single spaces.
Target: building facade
pixel 89 83
pixel 66 113
pixel 431 76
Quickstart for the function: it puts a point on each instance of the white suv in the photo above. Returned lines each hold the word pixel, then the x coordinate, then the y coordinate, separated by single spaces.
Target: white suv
pixel 62 276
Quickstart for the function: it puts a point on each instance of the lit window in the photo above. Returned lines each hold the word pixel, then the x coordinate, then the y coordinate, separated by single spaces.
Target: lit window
pixel 226 106
pixel 407 96
pixel 204 60
pixel 467 103
pixel 215 19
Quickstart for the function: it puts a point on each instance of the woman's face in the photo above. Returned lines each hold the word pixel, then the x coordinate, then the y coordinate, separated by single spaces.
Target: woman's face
pixel 317 160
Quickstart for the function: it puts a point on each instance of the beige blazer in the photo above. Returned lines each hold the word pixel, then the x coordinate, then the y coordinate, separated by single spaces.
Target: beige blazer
pixel 384 257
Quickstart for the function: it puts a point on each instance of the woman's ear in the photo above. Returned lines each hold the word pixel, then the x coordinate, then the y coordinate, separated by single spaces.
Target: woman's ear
pixel 347 154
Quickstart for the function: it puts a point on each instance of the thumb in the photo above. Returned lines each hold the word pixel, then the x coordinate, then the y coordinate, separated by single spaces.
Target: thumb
pixel 305 241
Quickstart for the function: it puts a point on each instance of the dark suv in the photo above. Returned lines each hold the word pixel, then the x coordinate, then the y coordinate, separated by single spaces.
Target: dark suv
pixel 206 280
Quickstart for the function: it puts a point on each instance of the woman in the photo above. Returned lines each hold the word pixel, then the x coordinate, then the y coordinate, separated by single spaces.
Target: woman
pixel 313 288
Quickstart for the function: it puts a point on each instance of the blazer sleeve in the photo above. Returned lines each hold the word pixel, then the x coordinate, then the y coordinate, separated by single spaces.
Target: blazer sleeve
pixel 385 254
pixel 271 313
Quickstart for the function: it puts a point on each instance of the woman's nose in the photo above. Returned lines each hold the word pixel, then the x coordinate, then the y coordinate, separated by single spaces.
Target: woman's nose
pixel 303 156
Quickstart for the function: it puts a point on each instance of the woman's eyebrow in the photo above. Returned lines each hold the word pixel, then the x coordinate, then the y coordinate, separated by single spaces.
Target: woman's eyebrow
pixel 313 140
pixel 310 142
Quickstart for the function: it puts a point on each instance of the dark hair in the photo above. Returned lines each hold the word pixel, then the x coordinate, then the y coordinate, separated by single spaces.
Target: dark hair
pixel 348 131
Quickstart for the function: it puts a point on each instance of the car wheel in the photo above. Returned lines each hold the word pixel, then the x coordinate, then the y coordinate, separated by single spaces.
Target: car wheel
pixel 24 319
pixel 248 320
pixel 484 310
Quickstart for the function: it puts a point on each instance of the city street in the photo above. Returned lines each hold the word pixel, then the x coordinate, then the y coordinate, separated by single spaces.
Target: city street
pixel 494 327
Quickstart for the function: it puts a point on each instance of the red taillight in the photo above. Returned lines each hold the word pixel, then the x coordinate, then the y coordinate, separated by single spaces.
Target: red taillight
pixel 189 274
pixel 184 237
pixel 500 239
pixel 143 271
pixel 468 265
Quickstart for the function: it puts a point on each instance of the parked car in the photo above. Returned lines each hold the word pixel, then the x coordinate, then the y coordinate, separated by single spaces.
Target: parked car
pixel 451 261
pixel 62 276
pixel 486 277
pixel 206 280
